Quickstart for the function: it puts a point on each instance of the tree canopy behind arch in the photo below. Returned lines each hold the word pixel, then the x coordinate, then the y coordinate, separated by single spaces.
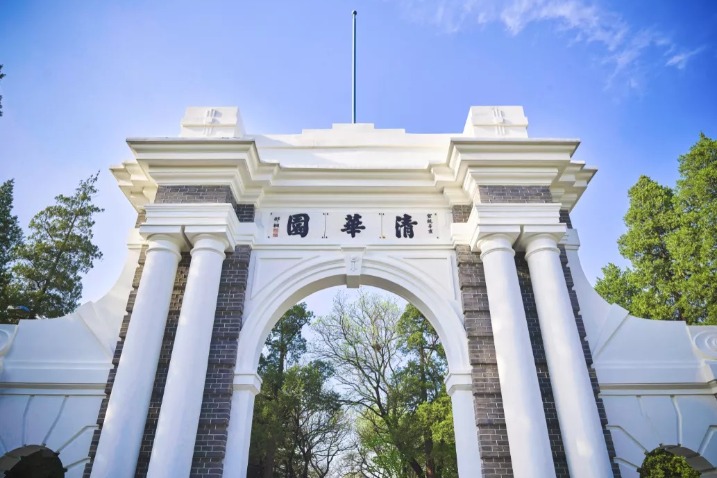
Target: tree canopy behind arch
pixel 390 365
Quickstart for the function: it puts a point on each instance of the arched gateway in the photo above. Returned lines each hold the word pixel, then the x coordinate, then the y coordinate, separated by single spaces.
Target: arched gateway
pixel 472 228
pixel 436 219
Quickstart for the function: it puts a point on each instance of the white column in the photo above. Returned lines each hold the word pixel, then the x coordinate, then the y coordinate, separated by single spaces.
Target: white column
pixel 522 402
pixel 580 426
pixel 459 388
pixel 122 431
pixel 236 460
pixel 176 433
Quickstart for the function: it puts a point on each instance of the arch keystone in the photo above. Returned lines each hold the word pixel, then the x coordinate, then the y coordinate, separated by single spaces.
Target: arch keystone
pixel 353 258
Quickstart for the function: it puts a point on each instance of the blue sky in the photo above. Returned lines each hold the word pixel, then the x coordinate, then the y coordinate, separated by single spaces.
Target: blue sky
pixel 635 81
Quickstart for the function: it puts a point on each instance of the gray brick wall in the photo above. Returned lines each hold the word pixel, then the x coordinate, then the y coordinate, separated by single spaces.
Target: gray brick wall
pixel 565 218
pixel 194 194
pixel 245 212
pixel 520 194
pixel 462 212
pixel 487 398
pixel 210 446
pixel 204 194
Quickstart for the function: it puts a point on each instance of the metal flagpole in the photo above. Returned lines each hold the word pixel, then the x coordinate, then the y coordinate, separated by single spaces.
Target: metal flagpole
pixel 353 73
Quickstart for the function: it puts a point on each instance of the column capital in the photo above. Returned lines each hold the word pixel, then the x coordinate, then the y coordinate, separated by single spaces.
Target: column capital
pixel 499 241
pixel 458 381
pixel 248 381
pixel 170 242
pixel 194 220
pixel 211 242
pixel 542 240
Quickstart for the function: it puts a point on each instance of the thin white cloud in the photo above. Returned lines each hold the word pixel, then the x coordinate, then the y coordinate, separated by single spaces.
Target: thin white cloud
pixel 628 51
pixel 679 60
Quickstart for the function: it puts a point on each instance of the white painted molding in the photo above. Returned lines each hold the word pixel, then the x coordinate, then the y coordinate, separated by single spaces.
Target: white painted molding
pixel 520 161
pixel 706 341
pixel 517 221
pixel 290 275
pixel 133 181
pixel 458 381
pixel 249 381
pixel 279 169
pixel 192 220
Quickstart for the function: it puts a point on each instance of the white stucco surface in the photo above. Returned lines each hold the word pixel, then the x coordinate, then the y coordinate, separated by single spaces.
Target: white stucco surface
pixel 656 379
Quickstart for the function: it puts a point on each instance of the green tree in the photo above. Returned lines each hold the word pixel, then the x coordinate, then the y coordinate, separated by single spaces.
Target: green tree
pixel 391 366
pixel 671 243
pixel 283 348
pixel 48 267
pixel 424 395
pixel 10 239
pixel 299 426
pixel 660 463
pixel 314 422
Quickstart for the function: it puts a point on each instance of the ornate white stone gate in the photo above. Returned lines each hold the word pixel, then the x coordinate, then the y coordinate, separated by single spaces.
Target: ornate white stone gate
pixel 472 228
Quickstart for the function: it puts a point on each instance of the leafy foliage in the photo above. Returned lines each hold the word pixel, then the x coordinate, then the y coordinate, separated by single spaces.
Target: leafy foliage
pixel 660 463
pixel 389 416
pixel 10 239
pixel 671 243
pixel 48 265
pixel 391 366
pixel 299 425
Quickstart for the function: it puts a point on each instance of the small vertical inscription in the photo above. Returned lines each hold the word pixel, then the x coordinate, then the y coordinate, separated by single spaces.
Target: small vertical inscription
pixel 275 229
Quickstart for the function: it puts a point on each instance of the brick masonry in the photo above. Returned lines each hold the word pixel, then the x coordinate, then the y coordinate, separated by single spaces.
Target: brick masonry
pixel 462 212
pixel 194 194
pixel 515 194
pixel 210 446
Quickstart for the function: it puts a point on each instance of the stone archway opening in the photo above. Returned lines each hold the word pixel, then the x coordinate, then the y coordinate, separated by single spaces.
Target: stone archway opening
pixel 353 380
pixel 264 309
pixel 32 461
